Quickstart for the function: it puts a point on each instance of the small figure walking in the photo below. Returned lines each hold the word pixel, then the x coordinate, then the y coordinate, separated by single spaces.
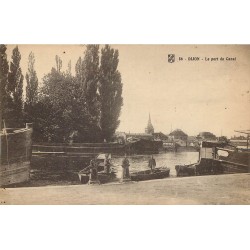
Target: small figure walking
pixel 93 178
pixel 125 169
pixel 152 163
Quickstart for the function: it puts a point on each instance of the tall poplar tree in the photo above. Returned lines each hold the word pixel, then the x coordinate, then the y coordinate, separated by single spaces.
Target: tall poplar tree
pixel 4 69
pixel 110 91
pixel 15 88
pixel 90 70
pixel 58 63
pixel 32 110
pixel 89 86
pixel 32 82
pixel 79 70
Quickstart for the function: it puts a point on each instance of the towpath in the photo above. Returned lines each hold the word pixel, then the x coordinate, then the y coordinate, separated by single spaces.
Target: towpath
pixel 219 189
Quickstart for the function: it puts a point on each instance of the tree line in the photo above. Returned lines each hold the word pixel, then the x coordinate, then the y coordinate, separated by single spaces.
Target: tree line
pixel 84 107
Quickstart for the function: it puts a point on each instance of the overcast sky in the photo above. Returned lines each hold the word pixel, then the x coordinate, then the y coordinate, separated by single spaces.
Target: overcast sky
pixel 194 96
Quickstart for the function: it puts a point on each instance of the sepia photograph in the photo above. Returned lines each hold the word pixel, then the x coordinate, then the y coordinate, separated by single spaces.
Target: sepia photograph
pixel 124 124
pixel 107 124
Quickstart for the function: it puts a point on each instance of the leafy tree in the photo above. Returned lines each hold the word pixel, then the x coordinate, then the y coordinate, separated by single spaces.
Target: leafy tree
pixel 4 69
pixel 86 107
pixel 40 115
pixel 223 139
pixel 110 91
pixel 68 117
pixel 55 94
pixel 15 88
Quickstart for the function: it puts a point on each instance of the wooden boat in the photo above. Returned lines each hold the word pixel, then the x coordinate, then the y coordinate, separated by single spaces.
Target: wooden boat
pixel 157 173
pixel 103 177
pixel 143 146
pixel 15 155
pixel 210 162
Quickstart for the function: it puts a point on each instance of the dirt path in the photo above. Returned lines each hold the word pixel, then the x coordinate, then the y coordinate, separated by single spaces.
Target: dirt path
pixel 220 189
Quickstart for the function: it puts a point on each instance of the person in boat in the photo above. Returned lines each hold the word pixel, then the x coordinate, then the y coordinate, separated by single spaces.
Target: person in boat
pixel 125 168
pixel 107 164
pixel 152 163
pixel 93 172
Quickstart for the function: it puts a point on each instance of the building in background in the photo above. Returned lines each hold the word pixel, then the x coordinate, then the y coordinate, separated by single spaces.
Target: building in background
pixel 178 134
pixel 160 136
pixel 192 141
pixel 206 136
pixel 149 129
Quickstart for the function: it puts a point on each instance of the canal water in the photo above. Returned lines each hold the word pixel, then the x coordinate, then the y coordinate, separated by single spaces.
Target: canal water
pixel 55 175
pixel 169 159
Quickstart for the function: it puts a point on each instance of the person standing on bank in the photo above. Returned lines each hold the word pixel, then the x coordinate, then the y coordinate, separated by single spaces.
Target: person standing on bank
pixel 152 163
pixel 93 178
pixel 107 164
pixel 125 169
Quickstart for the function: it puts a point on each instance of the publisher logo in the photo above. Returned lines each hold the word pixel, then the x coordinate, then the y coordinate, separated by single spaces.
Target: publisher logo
pixel 171 58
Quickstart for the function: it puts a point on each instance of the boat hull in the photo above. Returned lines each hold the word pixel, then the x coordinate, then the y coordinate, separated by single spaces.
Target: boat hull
pixel 211 167
pixel 14 173
pixel 185 170
pixel 15 156
pixel 102 177
pixel 148 175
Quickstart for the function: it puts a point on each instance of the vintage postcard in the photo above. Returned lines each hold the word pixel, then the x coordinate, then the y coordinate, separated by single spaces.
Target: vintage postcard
pixel 124 124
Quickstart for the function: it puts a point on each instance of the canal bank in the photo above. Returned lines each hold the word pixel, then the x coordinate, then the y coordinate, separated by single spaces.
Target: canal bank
pixel 219 189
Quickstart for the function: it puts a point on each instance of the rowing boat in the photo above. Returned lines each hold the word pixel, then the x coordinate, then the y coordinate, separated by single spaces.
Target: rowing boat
pixel 157 173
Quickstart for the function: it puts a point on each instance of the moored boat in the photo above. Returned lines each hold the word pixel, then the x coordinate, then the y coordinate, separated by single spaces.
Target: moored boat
pixel 15 155
pixel 102 177
pixel 157 173
pixel 213 160
pixel 143 146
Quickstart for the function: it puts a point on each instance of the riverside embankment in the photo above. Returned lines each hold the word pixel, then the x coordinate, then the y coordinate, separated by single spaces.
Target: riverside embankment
pixel 214 189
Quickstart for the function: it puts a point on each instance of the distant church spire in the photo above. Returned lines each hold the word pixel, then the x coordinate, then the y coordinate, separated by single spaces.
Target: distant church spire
pixel 149 129
pixel 149 120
